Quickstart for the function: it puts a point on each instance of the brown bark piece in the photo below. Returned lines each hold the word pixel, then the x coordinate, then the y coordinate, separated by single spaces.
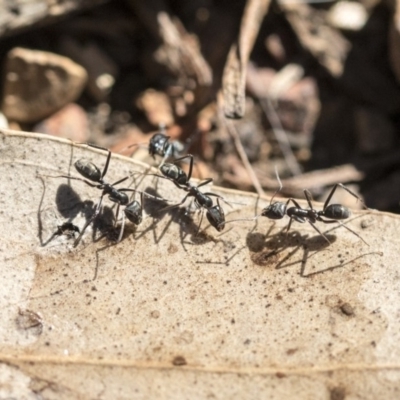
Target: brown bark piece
pixel 316 179
pixel 70 122
pixel 394 42
pixel 102 70
pixel 180 51
pixel 16 15
pixel 38 83
pixel 234 78
pixel 326 44
pixel 156 106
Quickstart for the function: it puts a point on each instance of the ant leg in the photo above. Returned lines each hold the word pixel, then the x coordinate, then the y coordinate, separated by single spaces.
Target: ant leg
pixel 346 189
pixel 120 181
pixel 294 202
pixel 142 193
pixel 280 186
pixel 314 226
pixel 201 220
pixel 289 225
pixel 219 197
pixel 139 144
pixel 344 226
pixel 308 196
pixel 166 150
pixel 351 230
pixel 142 199
pixel 105 169
pixel 189 175
pixel 121 230
pixel 175 205
pixel 169 179
pixel 91 219
pixel 116 215
pixel 71 177
pixel 205 182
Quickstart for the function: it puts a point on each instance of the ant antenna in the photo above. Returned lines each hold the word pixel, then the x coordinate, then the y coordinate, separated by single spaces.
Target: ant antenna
pixel 280 184
pixel 269 207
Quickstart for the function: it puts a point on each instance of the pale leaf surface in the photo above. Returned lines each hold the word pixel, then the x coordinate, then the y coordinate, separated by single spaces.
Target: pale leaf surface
pixel 246 313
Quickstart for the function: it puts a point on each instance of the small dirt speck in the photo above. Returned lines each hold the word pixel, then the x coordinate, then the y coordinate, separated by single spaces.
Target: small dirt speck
pixel 172 248
pixel 337 393
pixel 178 361
pixel 347 309
pixel 30 321
pixel 264 258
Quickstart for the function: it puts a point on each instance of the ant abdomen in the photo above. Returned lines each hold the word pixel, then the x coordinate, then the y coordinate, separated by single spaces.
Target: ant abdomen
pixel 174 173
pixel 336 212
pixel 88 170
pixel 274 211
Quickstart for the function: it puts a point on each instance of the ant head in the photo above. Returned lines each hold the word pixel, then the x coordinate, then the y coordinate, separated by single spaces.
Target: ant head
pixel 134 212
pixel 216 217
pixel 158 144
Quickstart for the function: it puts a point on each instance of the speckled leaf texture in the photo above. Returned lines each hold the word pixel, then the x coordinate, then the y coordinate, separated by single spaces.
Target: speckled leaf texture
pixel 168 313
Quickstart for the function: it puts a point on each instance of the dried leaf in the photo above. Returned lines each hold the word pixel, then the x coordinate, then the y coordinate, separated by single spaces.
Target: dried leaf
pixel 246 313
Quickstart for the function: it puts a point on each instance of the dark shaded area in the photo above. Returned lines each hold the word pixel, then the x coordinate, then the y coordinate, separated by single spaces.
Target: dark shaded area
pixel 159 69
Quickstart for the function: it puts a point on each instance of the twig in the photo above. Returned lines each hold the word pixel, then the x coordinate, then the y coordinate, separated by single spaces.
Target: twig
pixel 315 179
pixel 243 156
pixel 234 77
pixel 281 137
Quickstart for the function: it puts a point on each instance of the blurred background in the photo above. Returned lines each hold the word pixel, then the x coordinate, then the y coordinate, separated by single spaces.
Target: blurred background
pixel 307 88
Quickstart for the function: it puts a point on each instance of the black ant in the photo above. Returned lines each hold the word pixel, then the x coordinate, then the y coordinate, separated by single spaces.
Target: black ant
pixel 67 228
pixel 160 145
pixel 214 213
pixel 334 212
pixel 133 210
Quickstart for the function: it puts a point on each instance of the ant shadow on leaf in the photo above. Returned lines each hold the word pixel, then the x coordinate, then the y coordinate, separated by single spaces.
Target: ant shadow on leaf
pixel 69 205
pixel 281 250
pixel 179 215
